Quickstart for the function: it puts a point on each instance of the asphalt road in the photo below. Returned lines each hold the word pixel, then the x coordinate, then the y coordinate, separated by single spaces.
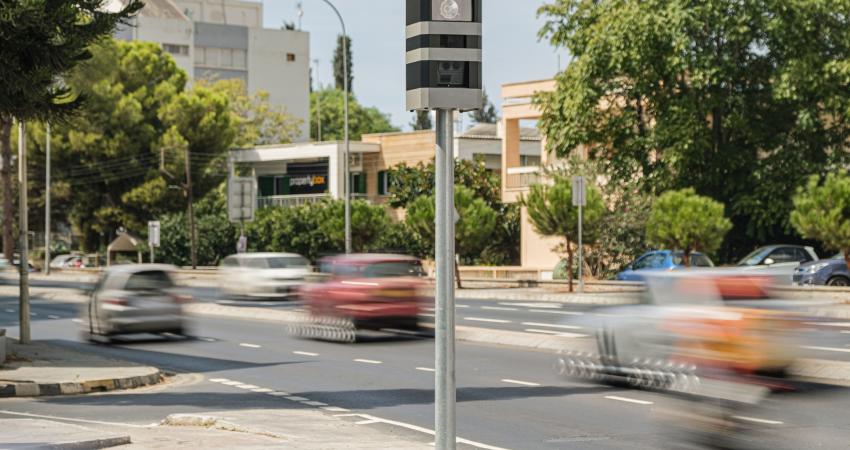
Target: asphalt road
pixel 506 398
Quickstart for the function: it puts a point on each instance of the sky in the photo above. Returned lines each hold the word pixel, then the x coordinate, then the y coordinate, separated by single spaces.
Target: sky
pixel 512 51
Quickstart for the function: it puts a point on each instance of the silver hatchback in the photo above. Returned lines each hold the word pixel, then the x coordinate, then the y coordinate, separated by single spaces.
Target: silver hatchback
pixel 134 299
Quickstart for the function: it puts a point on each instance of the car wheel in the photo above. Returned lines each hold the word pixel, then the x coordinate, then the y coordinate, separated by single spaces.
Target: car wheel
pixel 838 281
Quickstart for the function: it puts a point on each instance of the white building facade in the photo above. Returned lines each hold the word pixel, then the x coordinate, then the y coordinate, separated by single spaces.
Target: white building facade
pixel 225 39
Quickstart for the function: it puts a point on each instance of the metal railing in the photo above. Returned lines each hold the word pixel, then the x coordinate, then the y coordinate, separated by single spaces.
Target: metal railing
pixel 522 177
pixel 288 201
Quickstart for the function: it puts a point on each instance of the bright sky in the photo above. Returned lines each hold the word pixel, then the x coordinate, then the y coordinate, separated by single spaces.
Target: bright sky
pixel 512 52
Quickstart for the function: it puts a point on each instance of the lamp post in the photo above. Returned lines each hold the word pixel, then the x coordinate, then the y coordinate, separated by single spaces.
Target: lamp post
pixel 47 203
pixel 318 103
pixel 347 168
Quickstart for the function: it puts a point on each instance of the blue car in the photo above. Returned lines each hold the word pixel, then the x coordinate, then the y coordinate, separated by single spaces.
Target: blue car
pixel 660 260
pixel 826 272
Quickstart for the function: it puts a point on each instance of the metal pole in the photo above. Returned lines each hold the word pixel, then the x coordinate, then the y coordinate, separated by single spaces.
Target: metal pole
pixel 318 104
pixel 152 253
pixel 47 204
pixel 444 246
pixel 580 250
pixel 24 336
pixel 347 163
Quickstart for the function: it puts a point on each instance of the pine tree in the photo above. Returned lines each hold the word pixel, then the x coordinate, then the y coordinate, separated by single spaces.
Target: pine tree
pixel 422 121
pixel 339 77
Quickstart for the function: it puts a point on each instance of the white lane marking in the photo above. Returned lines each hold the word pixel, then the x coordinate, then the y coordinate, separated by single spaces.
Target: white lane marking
pixel 368 361
pixel 10 310
pixel 550 325
pixel 523 383
pixel 532 305
pixel 499 308
pixel 334 409
pixel 429 309
pixel 845 332
pixel 247 386
pixel 481 319
pixel 367 419
pixel 367 422
pixel 312 403
pixel 69 419
pixel 278 393
pixel 826 349
pixel 77 320
pixel 53 317
pixel 32 314
pixel 829 324
pixel 565 313
pixel 295 398
pixel 461 306
pixel 206 339
pixel 218 380
pixel 627 400
pixel 249 345
pixel 426 315
pixel 231 383
pixel 261 390
pixel 535 330
pixel 305 353
pixel 757 420
pixel 556 333
pixel 425 369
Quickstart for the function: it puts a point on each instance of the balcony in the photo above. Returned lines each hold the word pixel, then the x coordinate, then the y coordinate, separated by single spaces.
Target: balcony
pixel 288 201
pixel 522 177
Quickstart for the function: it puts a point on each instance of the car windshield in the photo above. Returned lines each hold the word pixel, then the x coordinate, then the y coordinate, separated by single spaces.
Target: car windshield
pixel 287 262
pixel 755 258
pixel 152 280
pixel 393 269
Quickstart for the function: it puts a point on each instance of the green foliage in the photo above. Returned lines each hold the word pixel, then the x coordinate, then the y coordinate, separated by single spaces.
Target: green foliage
pixel 551 211
pixel 487 113
pixel 217 235
pixel 422 121
pixel 472 232
pixel 682 220
pixel 822 211
pixel 339 73
pixel 407 183
pixel 740 100
pixel 362 120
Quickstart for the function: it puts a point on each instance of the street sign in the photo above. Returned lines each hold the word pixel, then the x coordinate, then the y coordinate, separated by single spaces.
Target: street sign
pixel 153 233
pixel 241 199
pixel 444 54
pixel 579 191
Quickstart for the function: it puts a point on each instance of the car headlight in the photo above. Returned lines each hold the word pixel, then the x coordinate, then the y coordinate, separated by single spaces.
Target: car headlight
pixel 815 268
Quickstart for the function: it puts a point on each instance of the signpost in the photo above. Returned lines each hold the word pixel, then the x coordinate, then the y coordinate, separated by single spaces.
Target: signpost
pixel 580 200
pixel 153 237
pixel 241 203
pixel 443 62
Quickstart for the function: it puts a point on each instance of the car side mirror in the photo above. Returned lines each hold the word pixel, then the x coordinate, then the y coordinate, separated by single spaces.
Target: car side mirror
pixel 769 261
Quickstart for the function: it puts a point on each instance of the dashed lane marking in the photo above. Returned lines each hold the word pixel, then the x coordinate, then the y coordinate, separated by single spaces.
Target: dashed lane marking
pixel 278 394
pixel 461 306
pixel 555 333
pixel 249 345
pixel 426 315
pixel 522 383
pixel 564 313
pixel 482 319
pixel 77 320
pixel 757 420
pixel 532 305
pixel 296 398
pixel 334 409
pixel 368 361
pixel 231 383
pixel 312 403
pixel 261 390
pixel 425 369
pixel 10 310
pixel 368 419
pixel 499 308
pixel 829 324
pixel 218 380
pixel 627 400
pixel 53 317
pixel 826 349
pixel 32 314
pixel 247 386
pixel 550 325
pixel 305 353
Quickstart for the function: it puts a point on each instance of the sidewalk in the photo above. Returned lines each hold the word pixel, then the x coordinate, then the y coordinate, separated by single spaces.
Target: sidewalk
pixel 302 429
pixel 42 368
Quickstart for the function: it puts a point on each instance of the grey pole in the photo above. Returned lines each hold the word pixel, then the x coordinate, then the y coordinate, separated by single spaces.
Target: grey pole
pixel 580 251
pixel 47 204
pixel 445 318
pixel 347 162
pixel 318 104
pixel 24 336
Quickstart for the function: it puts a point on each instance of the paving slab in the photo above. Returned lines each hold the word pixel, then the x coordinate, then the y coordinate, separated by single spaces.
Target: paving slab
pixel 24 434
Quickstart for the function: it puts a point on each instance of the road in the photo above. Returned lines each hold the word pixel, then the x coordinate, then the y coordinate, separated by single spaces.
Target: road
pixel 506 398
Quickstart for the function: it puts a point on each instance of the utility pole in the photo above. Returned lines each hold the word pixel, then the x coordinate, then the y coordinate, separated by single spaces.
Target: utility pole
pixel 47 203
pixel 318 103
pixel 190 198
pixel 24 334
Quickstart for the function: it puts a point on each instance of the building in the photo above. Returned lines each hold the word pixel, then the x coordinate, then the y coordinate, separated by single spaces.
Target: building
pixel 484 141
pixel 225 39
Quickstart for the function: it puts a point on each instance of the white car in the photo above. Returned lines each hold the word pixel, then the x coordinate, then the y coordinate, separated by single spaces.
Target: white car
pixel 263 275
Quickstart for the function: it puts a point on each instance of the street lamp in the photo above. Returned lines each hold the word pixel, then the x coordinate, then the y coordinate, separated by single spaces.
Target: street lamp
pixel 347 181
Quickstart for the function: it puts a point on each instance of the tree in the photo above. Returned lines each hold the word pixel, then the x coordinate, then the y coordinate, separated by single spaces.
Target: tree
pixel 257 121
pixel 41 41
pixel 473 230
pixel 422 121
pixel 822 211
pixel 551 212
pixel 339 76
pixel 683 220
pixel 487 113
pixel 739 100
pixel 362 120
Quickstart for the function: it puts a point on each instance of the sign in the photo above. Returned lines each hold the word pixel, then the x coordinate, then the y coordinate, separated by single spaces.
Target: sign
pixel 579 191
pixel 241 199
pixel 153 233
pixel 444 54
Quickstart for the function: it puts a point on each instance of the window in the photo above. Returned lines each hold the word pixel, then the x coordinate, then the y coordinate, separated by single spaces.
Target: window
pixel 393 269
pixel 211 56
pixel 240 59
pixel 528 160
pixel 199 55
pixel 358 183
pixel 175 49
pixel 802 255
pixel 226 57
pixel 230 262
pixel 784 255
pixel 287 262
pixel 383 183
pixel 700 261
pixel 290 57
pixel 152 280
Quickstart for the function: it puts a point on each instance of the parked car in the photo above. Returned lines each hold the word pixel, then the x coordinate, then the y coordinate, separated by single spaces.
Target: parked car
pixel 60 261
pixel 826 272
pixel 137 298
pixel 366 292
pixel 263 275
pixel 660 260
pixel 777 261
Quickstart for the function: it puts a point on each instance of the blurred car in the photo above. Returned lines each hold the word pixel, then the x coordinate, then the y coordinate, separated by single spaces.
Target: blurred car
pixel 137 298
pixel 690 324
pixel 263 275
pixel 60 261
pixel 367 292
pixel 659 261
pixel 777 261
pixel 826 272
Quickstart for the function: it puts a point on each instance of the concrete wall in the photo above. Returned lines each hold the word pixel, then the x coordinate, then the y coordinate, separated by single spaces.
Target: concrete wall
pixel 468 148
pixel 287 82
pixel 166 31
pixel 248 14
pixel 535 250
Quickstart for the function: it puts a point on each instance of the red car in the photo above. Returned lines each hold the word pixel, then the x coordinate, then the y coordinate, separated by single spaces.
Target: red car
pixel 367 292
